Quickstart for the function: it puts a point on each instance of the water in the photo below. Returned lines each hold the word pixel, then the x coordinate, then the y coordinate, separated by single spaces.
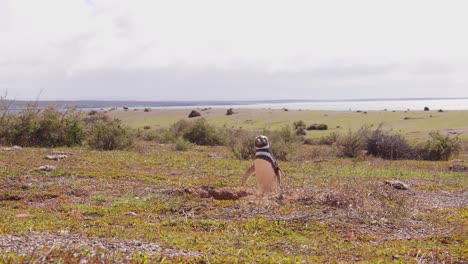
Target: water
pixel 364 105
pixel 353 105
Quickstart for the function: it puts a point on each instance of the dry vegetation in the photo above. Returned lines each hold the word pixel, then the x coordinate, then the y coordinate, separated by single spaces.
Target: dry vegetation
pixel 165 198
pixel 155 204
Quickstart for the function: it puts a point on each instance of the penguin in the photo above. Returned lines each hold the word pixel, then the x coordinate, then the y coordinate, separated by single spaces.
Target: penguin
pixel 265 167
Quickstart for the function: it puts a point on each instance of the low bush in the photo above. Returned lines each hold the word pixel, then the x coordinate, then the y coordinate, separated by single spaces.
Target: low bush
pixel 317 127
pixel 299 124
pixel 283 142
pixel 322 127
pixel 107 134
pixel 438 147
pixel 230 111
pixel 329 139
pixel 300 131
pixel 200 132
pixel 182 144
pixel 383 145
pixel 46 128
pixel 241 143
pixel 352 144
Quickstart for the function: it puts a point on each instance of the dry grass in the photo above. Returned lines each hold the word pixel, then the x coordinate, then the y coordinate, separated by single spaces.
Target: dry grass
pixel 329 210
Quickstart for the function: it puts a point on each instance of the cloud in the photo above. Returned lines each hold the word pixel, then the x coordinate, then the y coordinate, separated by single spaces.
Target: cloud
pixel 295 43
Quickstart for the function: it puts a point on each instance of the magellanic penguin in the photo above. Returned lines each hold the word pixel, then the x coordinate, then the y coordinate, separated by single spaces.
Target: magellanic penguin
pixel 265 167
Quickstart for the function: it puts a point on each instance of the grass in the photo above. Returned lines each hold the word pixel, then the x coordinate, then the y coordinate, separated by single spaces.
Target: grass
pixel 418 126
pixel 331 210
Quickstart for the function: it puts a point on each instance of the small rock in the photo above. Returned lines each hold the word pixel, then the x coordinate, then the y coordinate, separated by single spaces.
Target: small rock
pixel 56 157
pixel 131 214
pixel 397 185
pixel 22 216
pixel 14 148
pixel 56 152
pixel 194 114
pixel 47 168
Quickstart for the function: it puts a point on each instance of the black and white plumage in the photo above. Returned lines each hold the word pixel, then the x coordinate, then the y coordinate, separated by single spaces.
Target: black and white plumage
pixel 265 167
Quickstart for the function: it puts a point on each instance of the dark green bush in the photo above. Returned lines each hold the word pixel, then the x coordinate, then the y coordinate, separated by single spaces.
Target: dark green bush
pixel 283 142
pixel 241 143
pixel 393 147
pixel 299 124
pixel 438 147
pixel 201 133
pixel 182 144
pixel 230 111
pixel 322 127
pixel 300 131
pixel 46 128
pixel 329 139
pixel 317 127
pixel 109 135
pixel 352 144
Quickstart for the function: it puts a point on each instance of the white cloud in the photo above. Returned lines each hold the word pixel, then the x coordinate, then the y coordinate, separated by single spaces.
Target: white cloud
pixel 50 38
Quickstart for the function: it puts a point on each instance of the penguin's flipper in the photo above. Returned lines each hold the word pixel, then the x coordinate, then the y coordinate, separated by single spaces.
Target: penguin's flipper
pixel 281 174
pixel 247 174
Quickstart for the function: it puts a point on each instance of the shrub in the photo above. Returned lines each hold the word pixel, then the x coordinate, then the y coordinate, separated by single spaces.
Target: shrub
pixel 299 124
pixel 352 144
pixel 201 133
pixel 381 144
pixel 47 128
pixel 426 108
pixel 109 135
pixel 92 112
pixel 182 144
pixel 312 127
pixel 147 109
pixel 300 131
pixel 438 147
pixel 283 142
pixel 322 127
pixel 230 111
pixel 329 139
pixel 147 127
pixel 162 135
pixel 241 143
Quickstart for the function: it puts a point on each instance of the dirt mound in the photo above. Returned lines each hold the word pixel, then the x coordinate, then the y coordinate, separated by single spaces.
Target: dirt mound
pixel 221 193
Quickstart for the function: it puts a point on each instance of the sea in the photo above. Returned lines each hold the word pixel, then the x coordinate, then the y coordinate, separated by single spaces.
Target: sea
pixel 329 105
pixel 354 105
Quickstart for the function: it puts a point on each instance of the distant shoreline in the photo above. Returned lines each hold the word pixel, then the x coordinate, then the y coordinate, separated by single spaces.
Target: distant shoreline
pixel 98 104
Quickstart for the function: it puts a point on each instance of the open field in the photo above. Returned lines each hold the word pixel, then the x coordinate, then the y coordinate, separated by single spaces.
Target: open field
pixel 417 124
pixel 154 204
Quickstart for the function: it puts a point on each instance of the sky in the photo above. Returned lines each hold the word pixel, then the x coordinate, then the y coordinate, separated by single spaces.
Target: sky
pixel 232 50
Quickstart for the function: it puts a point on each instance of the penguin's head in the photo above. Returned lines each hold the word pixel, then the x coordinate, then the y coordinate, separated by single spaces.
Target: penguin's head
pixel 261 142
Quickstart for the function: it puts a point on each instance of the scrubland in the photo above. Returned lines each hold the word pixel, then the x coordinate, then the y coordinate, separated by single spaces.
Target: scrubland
pixel 156 202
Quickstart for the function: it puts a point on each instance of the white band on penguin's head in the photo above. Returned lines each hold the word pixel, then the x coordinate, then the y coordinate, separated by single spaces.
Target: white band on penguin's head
pixel 261 142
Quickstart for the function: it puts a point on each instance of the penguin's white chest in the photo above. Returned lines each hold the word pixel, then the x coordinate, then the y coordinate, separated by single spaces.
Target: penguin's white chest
pixel 266 177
